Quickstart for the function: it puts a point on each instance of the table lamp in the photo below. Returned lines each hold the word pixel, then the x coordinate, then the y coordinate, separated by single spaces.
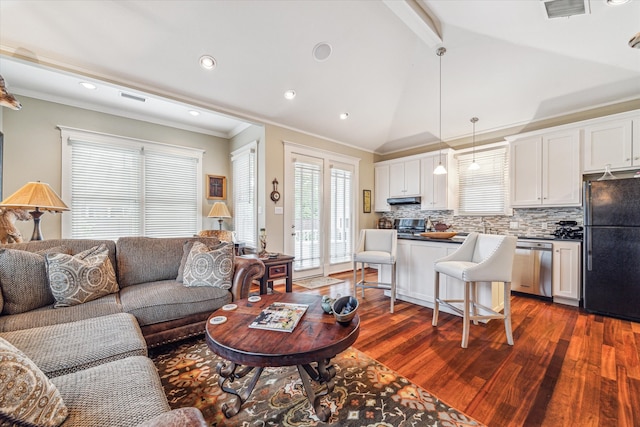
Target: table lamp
pixel 219 210
pixel 38 197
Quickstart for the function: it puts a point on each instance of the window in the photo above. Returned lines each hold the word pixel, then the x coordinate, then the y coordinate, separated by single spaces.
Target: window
pixel 119 186
pixel 244 195
pixel 341 203
pixel 308 210
pixel 483 191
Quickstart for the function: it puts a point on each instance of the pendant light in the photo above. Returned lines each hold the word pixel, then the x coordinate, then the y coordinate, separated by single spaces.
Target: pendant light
pixel 474 166
pixel 440 170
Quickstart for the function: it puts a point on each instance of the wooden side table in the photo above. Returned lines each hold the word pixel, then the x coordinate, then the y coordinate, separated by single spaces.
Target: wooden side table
pixel 280 267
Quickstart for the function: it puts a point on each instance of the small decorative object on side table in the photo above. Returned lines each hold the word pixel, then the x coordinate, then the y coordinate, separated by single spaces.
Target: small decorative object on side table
pixel 263 243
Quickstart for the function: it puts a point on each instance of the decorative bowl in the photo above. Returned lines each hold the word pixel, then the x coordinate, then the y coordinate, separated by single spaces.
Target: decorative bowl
pixel 439 234
pixel 344 309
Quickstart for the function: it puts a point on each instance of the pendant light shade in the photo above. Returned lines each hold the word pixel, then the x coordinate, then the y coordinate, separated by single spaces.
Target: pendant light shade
pixel 474 166
pixel 440 170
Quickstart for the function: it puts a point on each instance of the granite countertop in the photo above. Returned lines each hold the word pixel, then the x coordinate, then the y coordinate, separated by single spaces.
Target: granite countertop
pixel 459 238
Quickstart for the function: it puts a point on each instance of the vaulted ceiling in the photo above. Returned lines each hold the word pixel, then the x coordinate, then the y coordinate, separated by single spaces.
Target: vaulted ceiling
pixel 506 63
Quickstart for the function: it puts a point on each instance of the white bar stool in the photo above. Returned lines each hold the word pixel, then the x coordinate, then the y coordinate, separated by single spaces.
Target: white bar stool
pixel 376 247
pixel 480 258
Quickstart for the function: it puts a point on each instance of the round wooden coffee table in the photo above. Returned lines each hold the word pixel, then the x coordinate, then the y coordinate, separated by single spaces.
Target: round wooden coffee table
pixel 310 346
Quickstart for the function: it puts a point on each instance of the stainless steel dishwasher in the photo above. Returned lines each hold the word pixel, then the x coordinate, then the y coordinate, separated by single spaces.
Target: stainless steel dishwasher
pixel 532 268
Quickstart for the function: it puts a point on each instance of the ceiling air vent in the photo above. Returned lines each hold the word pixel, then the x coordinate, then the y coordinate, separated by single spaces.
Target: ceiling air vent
pixel 134 97
pixel 565 8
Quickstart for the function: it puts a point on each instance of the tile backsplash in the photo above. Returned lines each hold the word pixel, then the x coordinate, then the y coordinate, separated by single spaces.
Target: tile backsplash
pixel 530 222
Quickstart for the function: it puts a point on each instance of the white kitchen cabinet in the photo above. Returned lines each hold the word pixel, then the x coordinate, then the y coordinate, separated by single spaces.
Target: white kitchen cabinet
pixel 545 170
pixel 567 272
pixel 404 178
pixel 415 277
pixel 613 142
pixel 381 188
pixel 435 188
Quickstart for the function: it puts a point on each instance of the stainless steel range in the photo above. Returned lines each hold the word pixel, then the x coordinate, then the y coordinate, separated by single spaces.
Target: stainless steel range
pixel 409 227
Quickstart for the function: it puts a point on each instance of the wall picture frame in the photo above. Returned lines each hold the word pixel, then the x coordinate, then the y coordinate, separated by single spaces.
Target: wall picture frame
pixel 366 201
pixel 216 187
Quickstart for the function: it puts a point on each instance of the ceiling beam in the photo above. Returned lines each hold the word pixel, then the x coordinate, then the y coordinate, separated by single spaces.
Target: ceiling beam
pixel 418 19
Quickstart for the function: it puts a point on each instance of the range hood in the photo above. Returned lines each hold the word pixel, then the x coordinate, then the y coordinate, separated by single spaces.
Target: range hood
pixel 404 200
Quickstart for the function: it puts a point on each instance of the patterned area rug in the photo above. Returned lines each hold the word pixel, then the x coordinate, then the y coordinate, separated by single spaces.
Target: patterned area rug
pixel 317 282
pixel 366 393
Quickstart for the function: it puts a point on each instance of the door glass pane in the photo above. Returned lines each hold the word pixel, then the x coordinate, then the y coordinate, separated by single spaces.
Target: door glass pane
pixel 340 231
pixel 307 215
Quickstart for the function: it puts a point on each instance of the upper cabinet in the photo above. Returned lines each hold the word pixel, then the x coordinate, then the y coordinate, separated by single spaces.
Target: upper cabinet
pixel 435 188
pixel 613 142
pixel 381 188
pixel 404 178
pixel 545 169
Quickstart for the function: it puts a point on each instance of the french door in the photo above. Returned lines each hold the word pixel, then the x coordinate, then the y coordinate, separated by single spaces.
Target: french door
pixel 319 213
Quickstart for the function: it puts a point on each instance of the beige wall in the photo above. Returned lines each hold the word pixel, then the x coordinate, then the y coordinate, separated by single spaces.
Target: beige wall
pixel 32 148
pixel 275 136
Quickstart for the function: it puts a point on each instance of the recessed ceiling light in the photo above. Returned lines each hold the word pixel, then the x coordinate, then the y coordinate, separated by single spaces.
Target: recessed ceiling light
pixel 616 2
pixel 290 94
pixel 207 62
pixel 194 113
pixel 344 116
pixel 88 85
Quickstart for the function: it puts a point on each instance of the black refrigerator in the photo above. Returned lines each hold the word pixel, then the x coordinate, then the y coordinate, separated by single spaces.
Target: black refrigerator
pixel 612 248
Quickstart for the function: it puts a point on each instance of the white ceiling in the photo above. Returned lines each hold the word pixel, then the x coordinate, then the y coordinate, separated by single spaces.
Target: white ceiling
pixel 506 63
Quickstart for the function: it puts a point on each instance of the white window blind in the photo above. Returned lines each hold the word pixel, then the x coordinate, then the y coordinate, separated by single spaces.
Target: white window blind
pixel 483 191
pixel 307 178
pixel 244 195
pixel 170 194
pixel 123 187
pixel 340 215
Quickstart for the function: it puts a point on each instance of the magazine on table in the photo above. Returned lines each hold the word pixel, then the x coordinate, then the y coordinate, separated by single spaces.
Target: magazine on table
pixel 280 316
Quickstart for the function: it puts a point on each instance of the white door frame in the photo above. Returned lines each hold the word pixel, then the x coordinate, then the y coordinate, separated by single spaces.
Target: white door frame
pixel 327 157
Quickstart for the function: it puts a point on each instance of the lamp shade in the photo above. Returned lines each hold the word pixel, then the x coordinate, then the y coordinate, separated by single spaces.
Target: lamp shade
pixel 219 210
pixel 35 195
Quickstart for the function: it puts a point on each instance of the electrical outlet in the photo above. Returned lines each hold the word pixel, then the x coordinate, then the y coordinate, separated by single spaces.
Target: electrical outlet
pixel 513 224
pixel 544 226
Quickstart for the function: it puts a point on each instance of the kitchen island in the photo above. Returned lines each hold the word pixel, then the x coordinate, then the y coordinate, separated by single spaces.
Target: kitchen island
pixel 415 276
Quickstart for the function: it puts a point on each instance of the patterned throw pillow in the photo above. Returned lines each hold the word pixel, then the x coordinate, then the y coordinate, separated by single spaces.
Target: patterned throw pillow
pixel 209 267
pixel 27 397
pixel 211 242
pixel 75 279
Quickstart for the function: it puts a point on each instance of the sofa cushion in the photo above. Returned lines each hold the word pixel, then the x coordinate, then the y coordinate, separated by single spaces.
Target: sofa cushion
pixel 23 278
pixel 70 347
pixel 75 279
pixel 27 396
pixel 121 393
pixel 209 267
pixel 165 300
pixel 52 316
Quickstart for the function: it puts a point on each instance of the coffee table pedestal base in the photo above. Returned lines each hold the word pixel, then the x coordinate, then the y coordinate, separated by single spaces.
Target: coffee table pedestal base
pixel 322 374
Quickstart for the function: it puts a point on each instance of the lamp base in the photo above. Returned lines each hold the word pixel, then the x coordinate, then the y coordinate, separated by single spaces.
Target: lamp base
pixel 220 224
pixel 37 234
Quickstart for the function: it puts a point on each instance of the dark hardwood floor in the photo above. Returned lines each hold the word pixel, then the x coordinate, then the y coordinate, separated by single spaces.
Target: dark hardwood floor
pixel 567 367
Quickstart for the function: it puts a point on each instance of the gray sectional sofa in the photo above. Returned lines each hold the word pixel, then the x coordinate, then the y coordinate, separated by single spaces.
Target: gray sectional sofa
pixel 95 352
